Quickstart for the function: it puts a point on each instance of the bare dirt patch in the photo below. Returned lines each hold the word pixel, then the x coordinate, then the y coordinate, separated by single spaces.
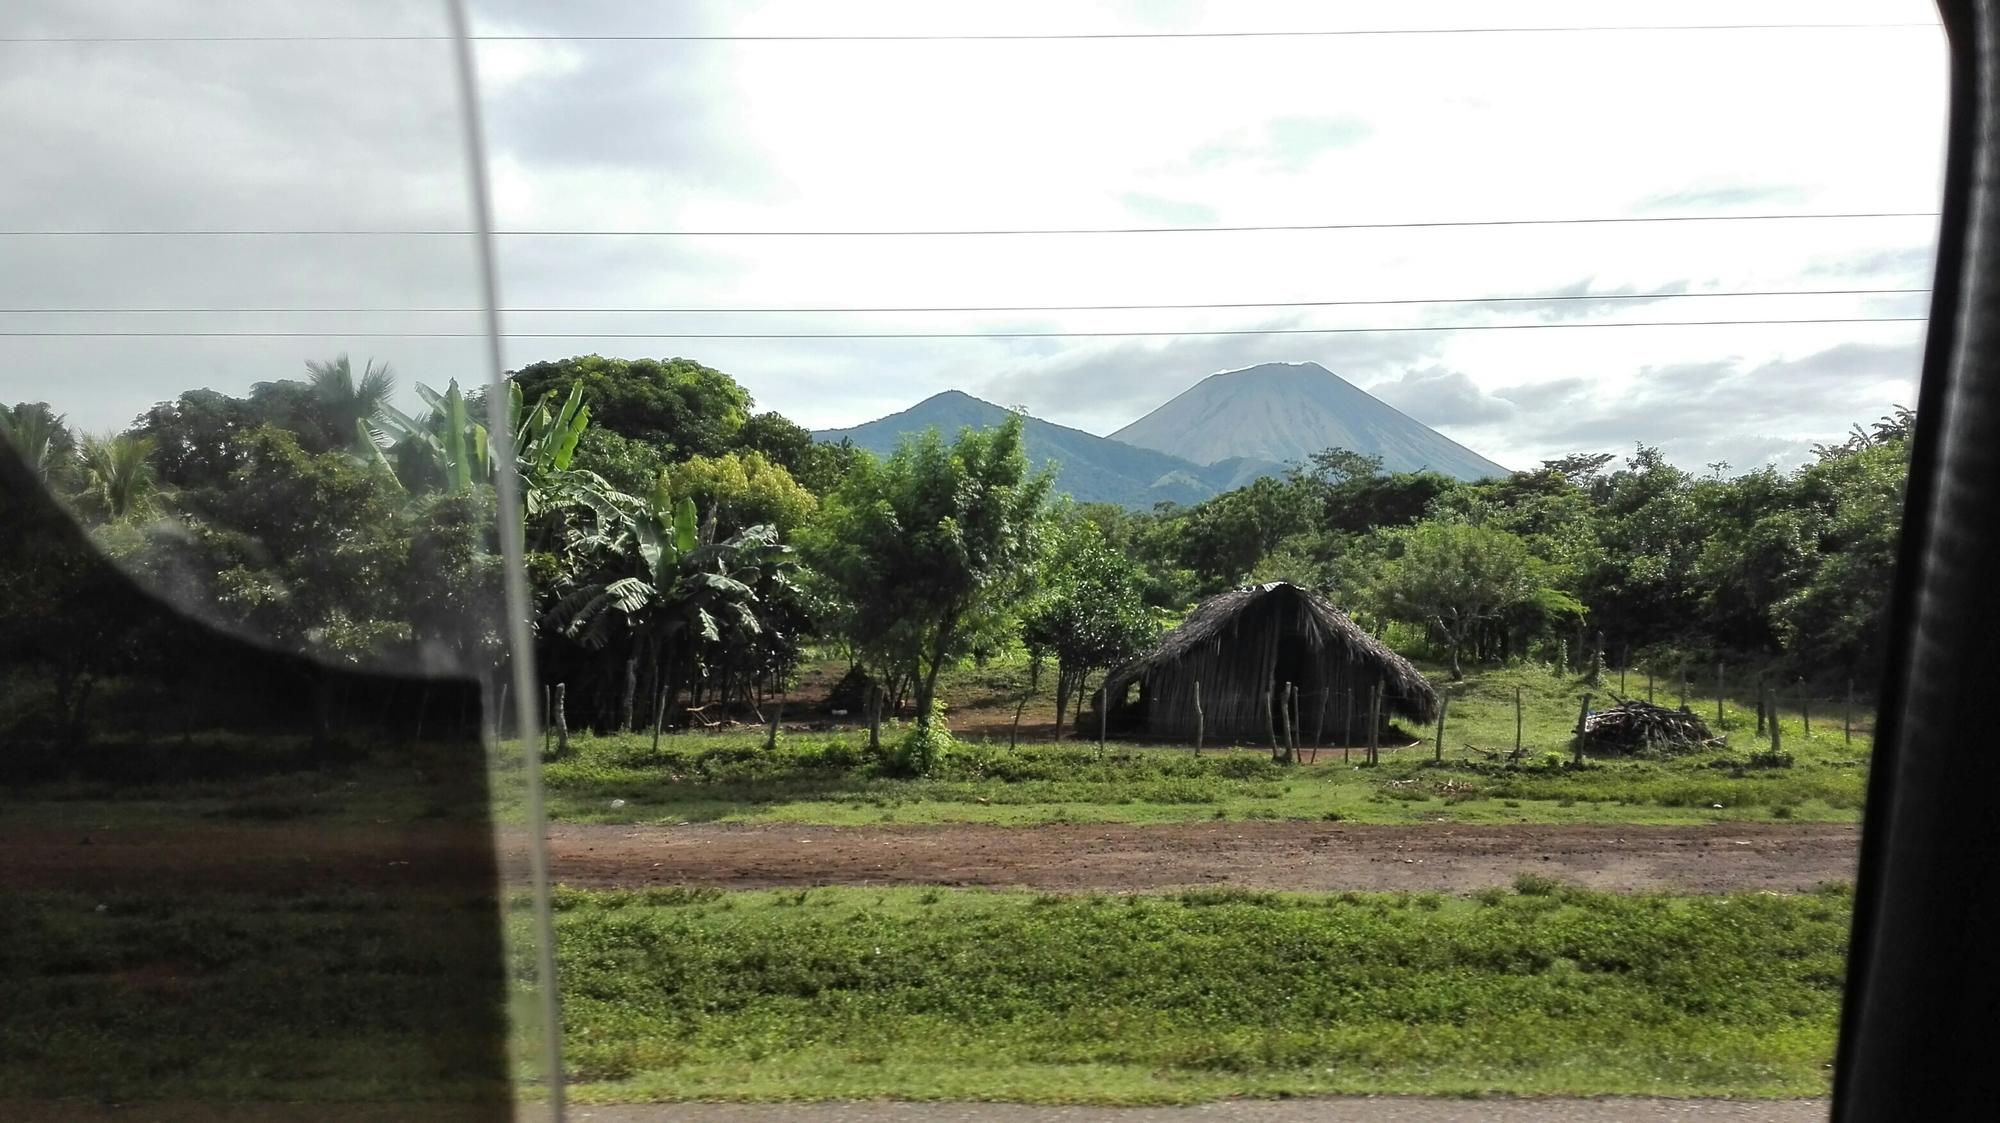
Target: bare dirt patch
pixel 1278 856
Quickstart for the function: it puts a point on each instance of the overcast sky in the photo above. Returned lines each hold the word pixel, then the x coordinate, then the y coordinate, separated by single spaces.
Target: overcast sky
pixel 623 133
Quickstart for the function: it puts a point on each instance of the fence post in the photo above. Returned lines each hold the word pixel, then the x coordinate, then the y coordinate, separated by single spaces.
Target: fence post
pixel 1805 709
pixel 1777 738
pixel 1347 740
pixel 777 716
pixel 1718 699
pixel 1375 724
pixel 1444 706
pixel 1624 657
pixel 1582 719
pixel 1199 722
pixel 562 719
pixel 1103 715
pixel 1319 729
pixel 1296 731
pixel 1285 712
pixel 1517 722
pixel 1684 686
pixel 1847 715
pixel 1762 714
pixel 1649 684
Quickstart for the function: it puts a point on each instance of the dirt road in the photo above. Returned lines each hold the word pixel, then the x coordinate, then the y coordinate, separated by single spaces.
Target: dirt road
pixel 1298 856
pixel 1343 1109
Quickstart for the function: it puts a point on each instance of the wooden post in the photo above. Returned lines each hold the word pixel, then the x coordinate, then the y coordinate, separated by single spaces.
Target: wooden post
pixel 1347 741
pixel 1270 720
pixel 1777 738
pixel 1199 721
pixel 1624 657
pixel 1285 712
pixel 1375 725
pixel 1762 714
pixel 499 718
pixel 1649 685
pixel 875 717
pixel 1319 728
pixel 777 715
pixel 1103 715
pixel 562 719
pixel 545 719
pixel 1517 722
pixel 660 712
pixel 1718 698
pixel 1847 715
pixel 1582 716
pixel 1444 706
pixel 1684 687
pixel 1805 709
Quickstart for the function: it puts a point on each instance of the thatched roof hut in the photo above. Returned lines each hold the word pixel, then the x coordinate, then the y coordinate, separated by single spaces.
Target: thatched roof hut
pixel 1243 647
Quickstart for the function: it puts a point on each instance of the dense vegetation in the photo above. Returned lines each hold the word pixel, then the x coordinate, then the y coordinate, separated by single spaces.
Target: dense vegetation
pixel 687 553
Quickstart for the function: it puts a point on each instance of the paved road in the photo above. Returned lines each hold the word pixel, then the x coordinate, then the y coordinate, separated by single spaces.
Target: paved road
pixel 1355 1109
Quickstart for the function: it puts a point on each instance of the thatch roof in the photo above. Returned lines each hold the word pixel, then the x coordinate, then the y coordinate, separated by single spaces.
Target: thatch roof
pixel 1323 626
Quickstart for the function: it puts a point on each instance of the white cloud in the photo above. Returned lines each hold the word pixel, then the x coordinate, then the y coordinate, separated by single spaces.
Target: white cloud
pixel 633 134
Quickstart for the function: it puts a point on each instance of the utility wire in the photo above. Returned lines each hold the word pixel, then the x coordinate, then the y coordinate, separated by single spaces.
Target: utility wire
pixel 852 310
pixel 973 232
pixel 1072 36
pixel 933 335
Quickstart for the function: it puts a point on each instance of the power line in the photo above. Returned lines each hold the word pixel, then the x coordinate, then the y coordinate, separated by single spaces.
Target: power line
pixel 852 309
pixel 1072 36
pixel 936 335
pixel 975 232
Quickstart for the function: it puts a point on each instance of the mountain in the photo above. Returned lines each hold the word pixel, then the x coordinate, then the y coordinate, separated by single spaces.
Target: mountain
pixel 1286 412
pixel 1091 468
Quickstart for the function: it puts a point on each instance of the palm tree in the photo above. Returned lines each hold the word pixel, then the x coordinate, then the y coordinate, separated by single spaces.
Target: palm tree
pixel 118 480
pixel 346 401
pixel 37 434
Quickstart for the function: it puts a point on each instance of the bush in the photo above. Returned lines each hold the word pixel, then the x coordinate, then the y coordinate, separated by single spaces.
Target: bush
pixel 924 748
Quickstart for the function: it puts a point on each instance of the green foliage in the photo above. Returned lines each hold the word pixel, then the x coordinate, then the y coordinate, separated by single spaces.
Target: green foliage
pixel 743 489
pixel 929 550
pixel 676 405
pixel 1455 576
pixel 1091 615
pixel 854 993
pixel 924 749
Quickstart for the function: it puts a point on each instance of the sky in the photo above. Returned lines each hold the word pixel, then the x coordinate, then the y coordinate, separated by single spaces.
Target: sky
pixel 593 127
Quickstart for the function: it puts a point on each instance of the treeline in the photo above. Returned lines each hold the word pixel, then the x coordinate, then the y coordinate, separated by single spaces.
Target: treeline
pixel 684 551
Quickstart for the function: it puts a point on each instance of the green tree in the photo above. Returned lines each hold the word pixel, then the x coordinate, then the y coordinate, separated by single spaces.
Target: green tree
pixel 677 405
pixel 816 465
pixel 1455 576
pixel 741 490
pixel 930 548
pixel 118 480
pixel 1091 616
pixel 40 439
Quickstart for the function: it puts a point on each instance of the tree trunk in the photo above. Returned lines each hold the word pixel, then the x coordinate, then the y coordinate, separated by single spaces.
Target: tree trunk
pixel 1457 671
pixel 874 717
pixel 1082 692
pixel 561 719
pixel 1065 682
pixel 627 701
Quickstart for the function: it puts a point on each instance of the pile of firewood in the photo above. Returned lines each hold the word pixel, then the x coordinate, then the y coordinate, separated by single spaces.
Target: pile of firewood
pixel 1631 726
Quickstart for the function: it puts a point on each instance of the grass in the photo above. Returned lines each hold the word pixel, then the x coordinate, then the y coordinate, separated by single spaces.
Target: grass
pixel 831 777
pixel 958 994
pixel 342 996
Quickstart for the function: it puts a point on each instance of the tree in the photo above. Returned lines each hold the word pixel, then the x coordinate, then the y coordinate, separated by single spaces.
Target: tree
pixel 678 405
pixel 816 465
pixel 1454 576
pixel 118 481
pixel 344 400
pixel 741 490
pixel 930 548
pixel 39 438
pixel 1091 616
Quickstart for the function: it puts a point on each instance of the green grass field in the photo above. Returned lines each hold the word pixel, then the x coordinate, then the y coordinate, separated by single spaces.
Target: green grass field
pixel 959 994
pixel 832 778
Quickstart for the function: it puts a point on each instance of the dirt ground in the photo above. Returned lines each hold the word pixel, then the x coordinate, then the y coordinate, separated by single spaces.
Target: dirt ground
pixel 1286 855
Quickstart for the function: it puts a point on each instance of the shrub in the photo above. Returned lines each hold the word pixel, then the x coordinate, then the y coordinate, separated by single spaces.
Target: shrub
pixel 925 747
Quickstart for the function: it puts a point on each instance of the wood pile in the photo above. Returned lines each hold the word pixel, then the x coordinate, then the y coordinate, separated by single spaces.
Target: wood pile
pixel 1630 726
